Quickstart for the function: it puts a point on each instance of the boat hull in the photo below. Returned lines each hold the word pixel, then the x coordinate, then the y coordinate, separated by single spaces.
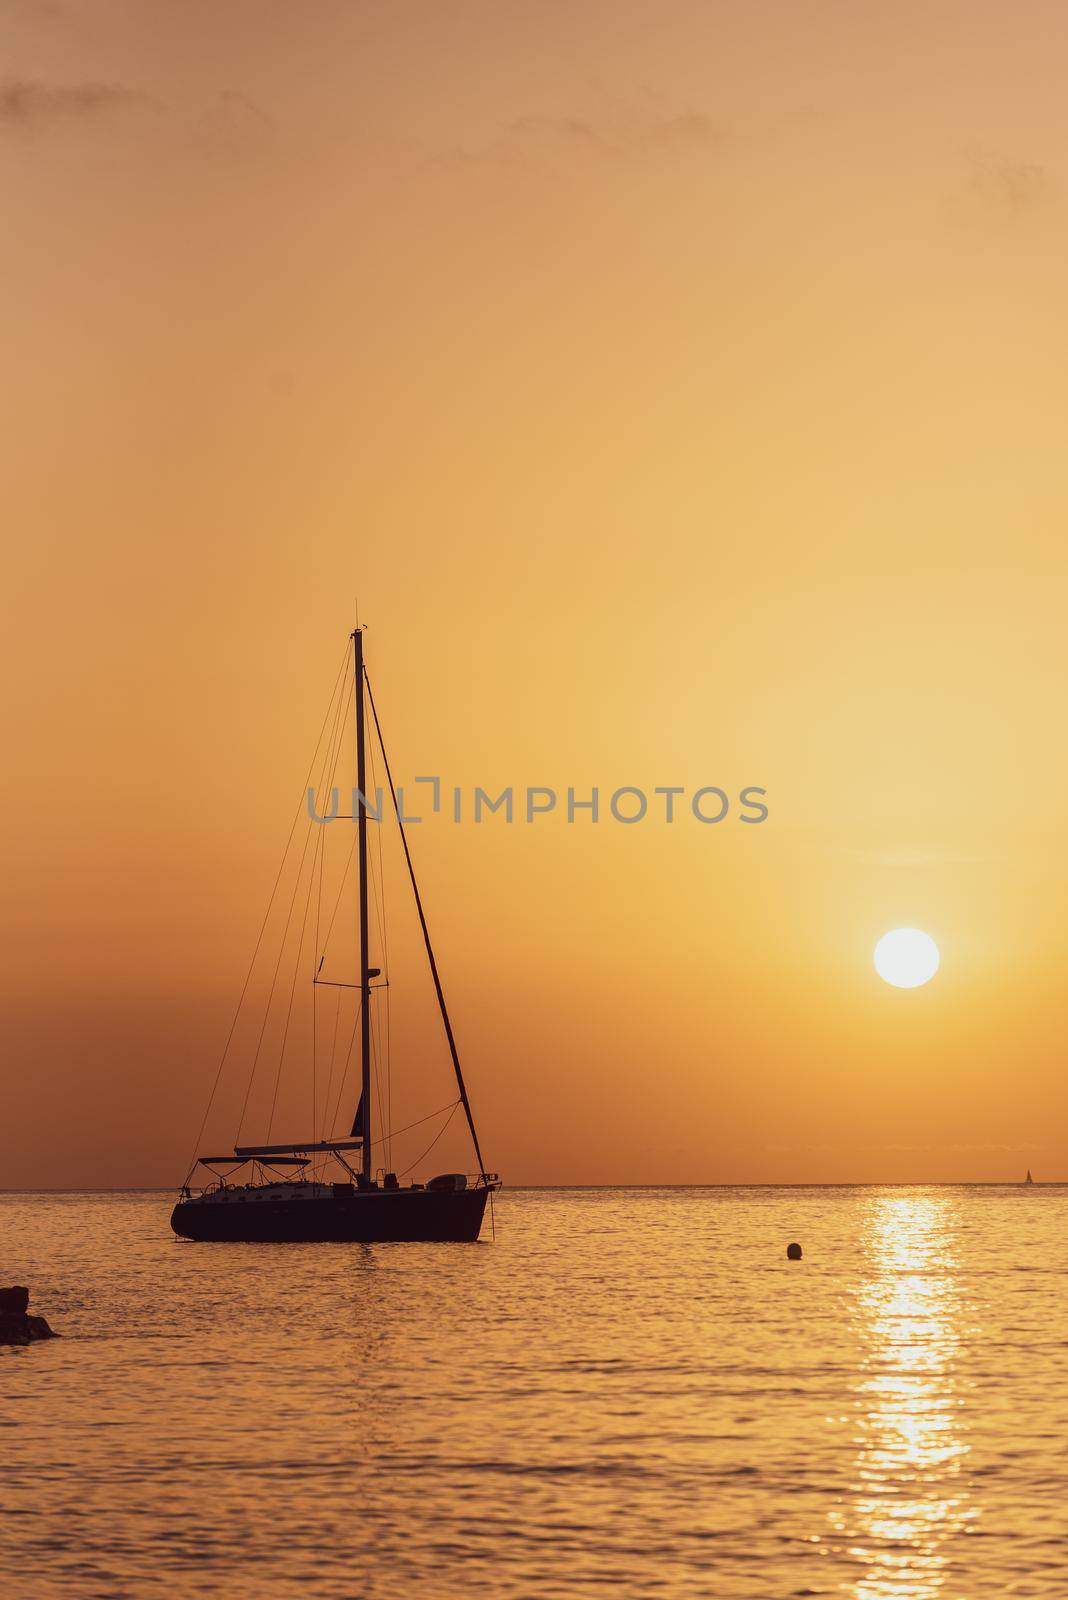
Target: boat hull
pixel 375 1217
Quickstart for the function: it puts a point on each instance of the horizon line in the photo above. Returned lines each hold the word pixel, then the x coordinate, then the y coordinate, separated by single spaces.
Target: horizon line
pixel 808 1183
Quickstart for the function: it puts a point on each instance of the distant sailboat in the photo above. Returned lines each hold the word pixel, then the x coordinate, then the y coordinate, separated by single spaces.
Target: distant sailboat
pixel 368 1205
pixel 1029 1178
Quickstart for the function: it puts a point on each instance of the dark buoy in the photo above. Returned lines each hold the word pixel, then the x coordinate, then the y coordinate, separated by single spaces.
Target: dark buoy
pixel 793 1252
pixel 16 1324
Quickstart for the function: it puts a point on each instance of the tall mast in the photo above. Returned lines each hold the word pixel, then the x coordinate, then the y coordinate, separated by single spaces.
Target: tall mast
pixel 364 1113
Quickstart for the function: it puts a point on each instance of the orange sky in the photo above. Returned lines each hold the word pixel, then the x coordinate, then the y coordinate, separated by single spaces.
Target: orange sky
pixel 681 388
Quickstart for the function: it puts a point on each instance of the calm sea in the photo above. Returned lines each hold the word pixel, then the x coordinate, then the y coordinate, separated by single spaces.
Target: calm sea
pixel 629 1392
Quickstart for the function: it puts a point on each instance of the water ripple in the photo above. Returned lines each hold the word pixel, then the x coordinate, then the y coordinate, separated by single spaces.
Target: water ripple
pixel 629 1391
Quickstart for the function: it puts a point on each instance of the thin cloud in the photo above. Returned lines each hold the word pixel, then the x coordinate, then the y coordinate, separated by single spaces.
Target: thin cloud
pixel 1006 184
pixel 630 134
pixel 28 104
pixel 627 135
pixel 235 126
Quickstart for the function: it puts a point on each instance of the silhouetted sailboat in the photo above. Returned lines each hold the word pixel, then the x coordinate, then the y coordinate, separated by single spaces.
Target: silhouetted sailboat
pixel 368 1206
pixel 1029 1178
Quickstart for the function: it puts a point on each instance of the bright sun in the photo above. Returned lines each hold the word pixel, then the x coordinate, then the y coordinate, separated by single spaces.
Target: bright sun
pixel 906 957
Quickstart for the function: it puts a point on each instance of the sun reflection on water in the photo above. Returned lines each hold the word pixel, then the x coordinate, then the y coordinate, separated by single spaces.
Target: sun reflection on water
pixel 910 1496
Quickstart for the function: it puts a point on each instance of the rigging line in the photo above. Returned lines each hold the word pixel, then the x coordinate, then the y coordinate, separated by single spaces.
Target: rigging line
pixel 379 916
pixel 388 1060
pixel 389 1082
pixel 339 733
pixel 293 987
pixel 341 1085
pixel 376 1011
pixel 377 888
pixel 317 853
pixel 330 1080
pixel 432 1143
pixel 426 939
pixel 316 962
pixel 342 728
pixel 285 934
pixel 440 1112
pixel 266 917
pixel 374 1064
pixel 315 997
pixel 335 741
pixel 341 890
